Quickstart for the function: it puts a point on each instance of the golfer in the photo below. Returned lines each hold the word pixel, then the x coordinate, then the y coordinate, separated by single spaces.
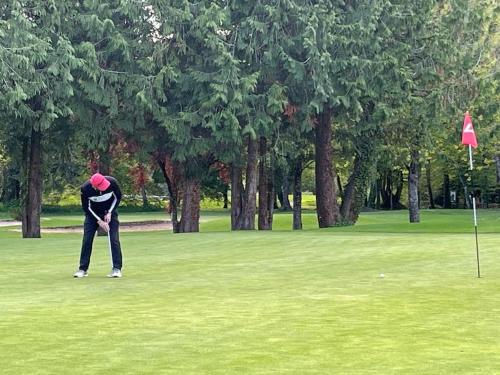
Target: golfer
pixel 101 196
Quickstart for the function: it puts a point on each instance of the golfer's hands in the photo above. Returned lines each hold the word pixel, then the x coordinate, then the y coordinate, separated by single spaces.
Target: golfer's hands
pixel 107 217
pixel 103 225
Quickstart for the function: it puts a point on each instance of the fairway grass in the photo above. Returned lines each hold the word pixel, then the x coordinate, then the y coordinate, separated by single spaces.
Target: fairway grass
pixel 281 302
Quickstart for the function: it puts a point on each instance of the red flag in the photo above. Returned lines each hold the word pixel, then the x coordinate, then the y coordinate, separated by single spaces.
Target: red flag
pixel 468 134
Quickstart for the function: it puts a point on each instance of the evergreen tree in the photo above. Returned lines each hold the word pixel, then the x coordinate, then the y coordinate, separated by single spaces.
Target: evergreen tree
pixel 36 74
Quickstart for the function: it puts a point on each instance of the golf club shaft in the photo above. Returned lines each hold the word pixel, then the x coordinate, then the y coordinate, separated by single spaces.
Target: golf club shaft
pixel 109 245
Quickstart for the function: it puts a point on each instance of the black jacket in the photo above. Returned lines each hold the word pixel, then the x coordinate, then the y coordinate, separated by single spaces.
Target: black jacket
pixel 98 203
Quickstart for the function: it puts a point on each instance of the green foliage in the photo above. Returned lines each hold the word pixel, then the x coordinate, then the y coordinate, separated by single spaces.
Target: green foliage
pixel 193 79
pixel 37 63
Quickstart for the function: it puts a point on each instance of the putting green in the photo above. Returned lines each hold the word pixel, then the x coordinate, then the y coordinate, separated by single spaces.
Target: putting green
pixel 281 302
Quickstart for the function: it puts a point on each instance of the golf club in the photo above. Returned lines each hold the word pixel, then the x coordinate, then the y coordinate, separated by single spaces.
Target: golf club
pixel 110 251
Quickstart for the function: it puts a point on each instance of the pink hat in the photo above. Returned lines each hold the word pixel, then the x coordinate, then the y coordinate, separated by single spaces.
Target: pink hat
pixel 100 182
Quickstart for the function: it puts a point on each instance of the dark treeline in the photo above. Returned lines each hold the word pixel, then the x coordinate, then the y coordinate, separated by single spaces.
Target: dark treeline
pixel 241 97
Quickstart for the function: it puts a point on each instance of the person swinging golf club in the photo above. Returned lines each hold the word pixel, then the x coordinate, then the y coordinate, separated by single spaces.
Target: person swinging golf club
pixel 100 196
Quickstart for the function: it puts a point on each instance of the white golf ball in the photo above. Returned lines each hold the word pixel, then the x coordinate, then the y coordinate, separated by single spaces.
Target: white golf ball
pixel 382 275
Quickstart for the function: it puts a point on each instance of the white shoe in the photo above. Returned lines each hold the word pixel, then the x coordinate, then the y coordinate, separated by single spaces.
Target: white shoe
pixel 80 274
pixel 115 272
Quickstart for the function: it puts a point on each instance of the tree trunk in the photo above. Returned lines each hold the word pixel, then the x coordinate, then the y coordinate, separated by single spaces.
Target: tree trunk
pixel 446 191
pixel 285 190
pixel 92 157
pixel 354 196
pixel 355 191
pixel 497 163
pixel 372 196
pixel 247 218
pixel 266 190
pixel 429 185
pixel 413 177
pixel 340 191
pixel 32 200
pixel 236 196
pixel 391 196
pixel 391 200
pixel 297 195
pixel 326 194
pixel 348 197
pixel 167 169
pixel 226 198
pixel 378 195
pixel 144 196
pixel 283 199
pixel 279 196
pixel 276 200
pixel 101 161
pixel 399 190
pixel 467 198
pixel 191 193
pixel 386 191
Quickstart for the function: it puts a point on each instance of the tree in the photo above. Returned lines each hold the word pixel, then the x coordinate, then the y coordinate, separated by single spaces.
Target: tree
pixel 453 73
pixel 200 90
pixel 36 71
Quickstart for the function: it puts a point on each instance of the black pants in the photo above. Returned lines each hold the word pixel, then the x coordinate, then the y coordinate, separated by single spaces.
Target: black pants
pixel 89 228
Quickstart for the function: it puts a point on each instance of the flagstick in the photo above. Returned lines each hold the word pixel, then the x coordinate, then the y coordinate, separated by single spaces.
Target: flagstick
pixel 474 211
pixel 470 157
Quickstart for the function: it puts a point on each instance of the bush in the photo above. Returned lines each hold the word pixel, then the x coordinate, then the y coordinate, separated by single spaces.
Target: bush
pixel 68 197
pixel 14 210
pixel 155 202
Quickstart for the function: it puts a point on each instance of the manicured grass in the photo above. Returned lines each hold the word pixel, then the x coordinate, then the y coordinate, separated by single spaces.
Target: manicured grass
pixel 432 221
pixel 281 302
